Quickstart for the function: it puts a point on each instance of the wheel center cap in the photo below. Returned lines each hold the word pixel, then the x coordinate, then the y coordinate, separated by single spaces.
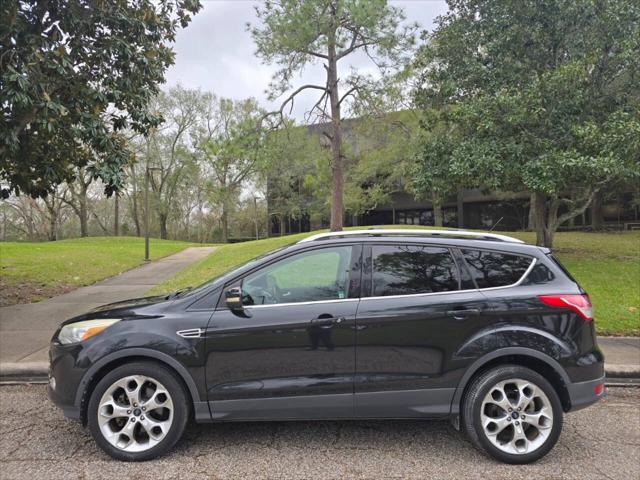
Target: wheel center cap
pixel 137 412
pixel 514 415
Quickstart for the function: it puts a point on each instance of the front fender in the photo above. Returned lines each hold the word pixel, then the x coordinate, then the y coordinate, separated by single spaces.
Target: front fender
pixel 140 353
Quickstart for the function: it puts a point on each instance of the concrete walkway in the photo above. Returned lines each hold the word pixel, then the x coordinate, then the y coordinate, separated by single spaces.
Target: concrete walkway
pixel 25 330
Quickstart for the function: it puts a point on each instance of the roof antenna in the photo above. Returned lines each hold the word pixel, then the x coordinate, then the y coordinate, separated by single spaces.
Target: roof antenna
pixel 496 224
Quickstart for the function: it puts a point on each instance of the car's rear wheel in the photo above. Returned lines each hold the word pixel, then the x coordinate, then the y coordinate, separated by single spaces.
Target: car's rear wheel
pixel 138 411
pixel 512 413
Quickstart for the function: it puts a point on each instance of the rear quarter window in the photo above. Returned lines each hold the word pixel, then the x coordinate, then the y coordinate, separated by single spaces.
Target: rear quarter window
pixel 562 268
pixel 495 269
pixel 539 275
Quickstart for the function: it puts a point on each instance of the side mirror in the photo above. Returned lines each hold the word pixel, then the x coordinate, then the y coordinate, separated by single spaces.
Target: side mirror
pixel 233 298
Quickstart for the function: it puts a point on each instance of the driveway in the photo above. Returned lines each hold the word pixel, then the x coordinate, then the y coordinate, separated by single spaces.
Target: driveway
pixel 36 441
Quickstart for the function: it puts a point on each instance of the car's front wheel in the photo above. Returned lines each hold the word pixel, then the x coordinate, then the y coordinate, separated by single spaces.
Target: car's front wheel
pixel 512 413
pixel 138 411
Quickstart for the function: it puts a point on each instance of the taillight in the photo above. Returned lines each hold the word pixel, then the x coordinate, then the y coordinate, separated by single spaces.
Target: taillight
pixel 577 303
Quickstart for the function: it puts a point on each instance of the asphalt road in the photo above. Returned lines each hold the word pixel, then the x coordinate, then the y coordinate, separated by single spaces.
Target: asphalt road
pixel 37 442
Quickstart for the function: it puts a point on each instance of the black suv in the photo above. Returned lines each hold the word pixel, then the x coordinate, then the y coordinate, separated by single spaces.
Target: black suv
pixel 476 327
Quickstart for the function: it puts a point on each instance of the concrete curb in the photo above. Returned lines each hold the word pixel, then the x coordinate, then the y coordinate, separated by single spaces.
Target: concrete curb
pixel 31 371
pixel 24 371
pixel 613 370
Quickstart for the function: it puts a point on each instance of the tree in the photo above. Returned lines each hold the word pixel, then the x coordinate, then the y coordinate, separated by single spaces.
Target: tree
pixel 382 148
pixel 73 75
pixel 289 160
pixel 294 34
pixel 432 176
pixel 78 199
pixel 169 149
pixel 232 152
pixel 542 97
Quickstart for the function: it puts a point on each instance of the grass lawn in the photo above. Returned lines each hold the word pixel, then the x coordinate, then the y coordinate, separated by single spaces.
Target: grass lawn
pixel 607 265
pixel 32 271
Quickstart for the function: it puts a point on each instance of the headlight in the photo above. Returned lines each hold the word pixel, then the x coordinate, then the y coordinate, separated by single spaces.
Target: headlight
pixel 79 331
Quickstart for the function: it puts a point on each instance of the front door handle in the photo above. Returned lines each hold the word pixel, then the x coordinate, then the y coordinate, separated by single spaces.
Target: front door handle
pixel 327 319
pixel 463 313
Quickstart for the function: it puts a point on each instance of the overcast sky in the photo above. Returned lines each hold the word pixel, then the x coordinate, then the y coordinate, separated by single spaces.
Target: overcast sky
pixel 216 53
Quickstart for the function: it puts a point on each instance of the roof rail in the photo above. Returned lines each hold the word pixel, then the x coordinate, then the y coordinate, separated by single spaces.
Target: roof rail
pixel 412 232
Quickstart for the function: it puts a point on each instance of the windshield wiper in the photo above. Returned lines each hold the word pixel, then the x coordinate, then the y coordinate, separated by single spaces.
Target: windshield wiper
pixel 178 292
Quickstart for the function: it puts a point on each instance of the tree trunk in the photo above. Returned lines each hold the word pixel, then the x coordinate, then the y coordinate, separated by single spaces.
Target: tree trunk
pixel 116 215
pixel 437 213
pixel 83 214
pixel 460 209
pixel 545 219
pixel 337 173
pixel 597 218
pixel 136 218
pixel 225 224
pixel 134 202
pixel 281 225
pixel 162 217
pixel 53 234
pixel 532 213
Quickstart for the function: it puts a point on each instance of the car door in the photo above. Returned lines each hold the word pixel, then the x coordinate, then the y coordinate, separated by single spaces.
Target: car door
pixel 419 324
pixel 290 351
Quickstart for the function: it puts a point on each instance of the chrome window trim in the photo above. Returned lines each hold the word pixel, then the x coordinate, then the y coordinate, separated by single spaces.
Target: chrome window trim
pixel 427 294
pixel 522 278
pixel 313 302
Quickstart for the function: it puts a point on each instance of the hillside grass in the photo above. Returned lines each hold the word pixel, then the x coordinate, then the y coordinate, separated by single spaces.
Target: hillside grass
pixel 32 271
pixel 607 265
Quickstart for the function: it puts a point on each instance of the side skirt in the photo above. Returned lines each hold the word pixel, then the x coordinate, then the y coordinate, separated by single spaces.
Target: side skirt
pixel 407 404
pixel 306 407
pixel 430 403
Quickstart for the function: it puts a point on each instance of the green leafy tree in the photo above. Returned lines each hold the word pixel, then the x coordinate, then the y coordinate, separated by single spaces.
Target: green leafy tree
pixel 168 151
pixel 232 153
pixel 292 160
pixel 382 148
pixel 294 34
pixel 531 96
pixel 73 75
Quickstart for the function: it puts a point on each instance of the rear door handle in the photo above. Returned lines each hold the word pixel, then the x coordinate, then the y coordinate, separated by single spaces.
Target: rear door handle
pixel 463 313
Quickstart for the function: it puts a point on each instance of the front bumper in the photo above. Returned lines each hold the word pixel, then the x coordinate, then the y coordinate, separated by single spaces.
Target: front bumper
pixel 583 394
pixel 65 377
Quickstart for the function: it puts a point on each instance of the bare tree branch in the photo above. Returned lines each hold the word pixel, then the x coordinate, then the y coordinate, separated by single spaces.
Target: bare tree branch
pixel 289 99
pixel 351 91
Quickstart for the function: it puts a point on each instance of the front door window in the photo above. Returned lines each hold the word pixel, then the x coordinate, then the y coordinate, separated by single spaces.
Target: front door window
pixel 311 276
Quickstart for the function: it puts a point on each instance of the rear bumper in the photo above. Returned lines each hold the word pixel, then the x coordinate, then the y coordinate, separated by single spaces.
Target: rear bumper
pixel 583 394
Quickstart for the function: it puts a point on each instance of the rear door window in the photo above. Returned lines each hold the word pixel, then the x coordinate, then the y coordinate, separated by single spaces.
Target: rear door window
pixel 412 269
pixel 495 269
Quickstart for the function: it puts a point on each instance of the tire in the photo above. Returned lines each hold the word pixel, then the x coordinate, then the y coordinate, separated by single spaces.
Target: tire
pixel 495 395
pixel 138 411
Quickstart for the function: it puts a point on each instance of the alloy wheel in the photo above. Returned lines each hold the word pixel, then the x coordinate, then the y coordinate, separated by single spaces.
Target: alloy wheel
pixel 135 413
pixel 516 416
